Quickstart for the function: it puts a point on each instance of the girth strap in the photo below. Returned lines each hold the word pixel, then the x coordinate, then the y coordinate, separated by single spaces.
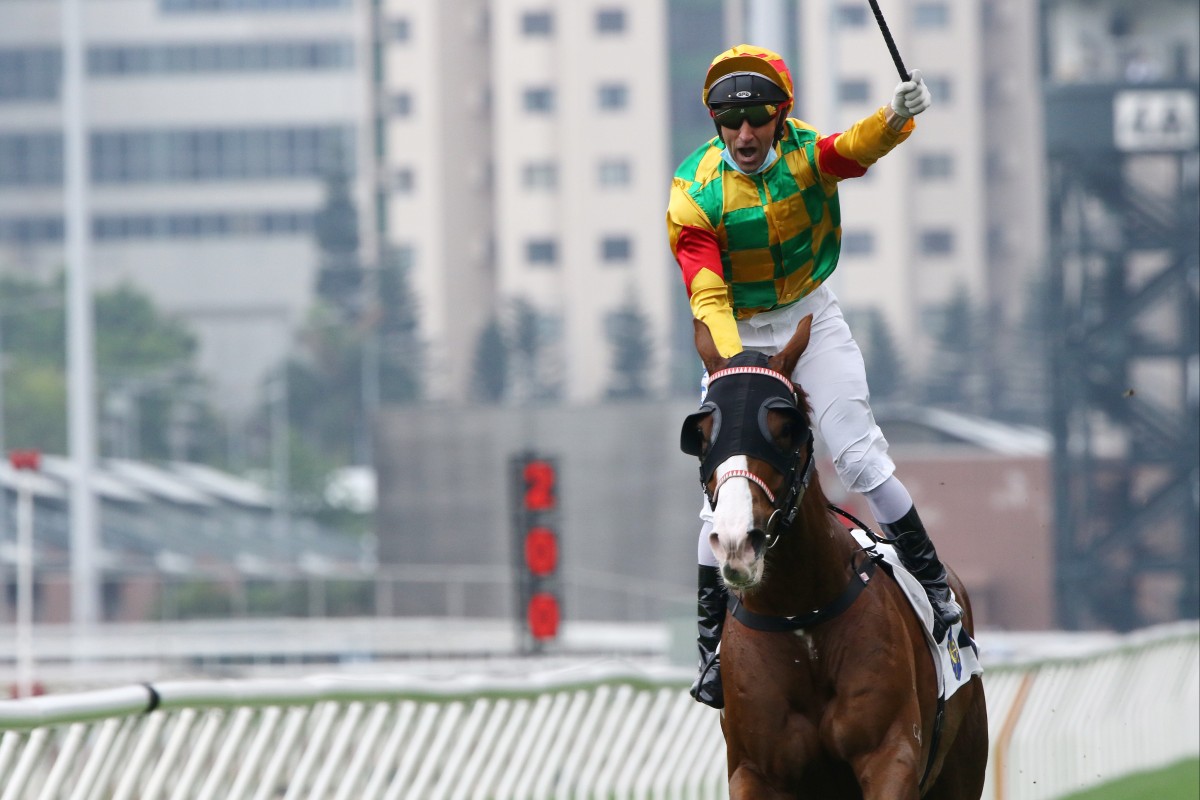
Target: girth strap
pixel 765 622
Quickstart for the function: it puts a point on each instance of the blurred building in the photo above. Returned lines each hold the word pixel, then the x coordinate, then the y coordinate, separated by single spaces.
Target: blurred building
pixel 958 207
pixel 523 172
pixel 212 124
pixel 516 157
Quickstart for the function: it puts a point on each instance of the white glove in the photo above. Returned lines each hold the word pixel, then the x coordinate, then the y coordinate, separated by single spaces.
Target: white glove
pixel 912 96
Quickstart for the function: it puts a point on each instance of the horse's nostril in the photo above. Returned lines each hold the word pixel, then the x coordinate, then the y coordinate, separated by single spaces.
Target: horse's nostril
pixel 758 540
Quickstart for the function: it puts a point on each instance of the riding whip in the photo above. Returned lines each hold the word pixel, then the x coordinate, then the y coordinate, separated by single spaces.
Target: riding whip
pixel 887 38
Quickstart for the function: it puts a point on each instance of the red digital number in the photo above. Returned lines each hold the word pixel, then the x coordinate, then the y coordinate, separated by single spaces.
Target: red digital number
pixel 539 486
pixel 541 552
pixel 543 615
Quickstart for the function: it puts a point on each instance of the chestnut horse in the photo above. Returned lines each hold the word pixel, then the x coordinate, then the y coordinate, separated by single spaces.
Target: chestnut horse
pixel 844 703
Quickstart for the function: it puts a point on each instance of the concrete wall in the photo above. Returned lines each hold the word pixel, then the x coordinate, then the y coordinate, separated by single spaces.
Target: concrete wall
pixel 629 500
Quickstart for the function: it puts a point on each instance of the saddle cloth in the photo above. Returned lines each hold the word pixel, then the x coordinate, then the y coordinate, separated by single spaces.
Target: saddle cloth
pixel 957 657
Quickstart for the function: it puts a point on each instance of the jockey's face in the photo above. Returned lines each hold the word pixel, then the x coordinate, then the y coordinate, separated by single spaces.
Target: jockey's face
pixel 749 144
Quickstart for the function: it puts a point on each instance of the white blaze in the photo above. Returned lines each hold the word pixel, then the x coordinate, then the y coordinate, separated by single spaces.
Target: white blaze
pixel 733 519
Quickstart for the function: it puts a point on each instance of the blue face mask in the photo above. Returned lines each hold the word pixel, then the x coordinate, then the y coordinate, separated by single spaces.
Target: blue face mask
pixel 767 162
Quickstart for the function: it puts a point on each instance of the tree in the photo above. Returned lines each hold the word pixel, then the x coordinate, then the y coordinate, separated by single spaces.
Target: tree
pixel 538 375
pixel 491 362
pixel 956 379
pixel 626 329
pixel 340 273
pixel 885 367
pixel 142 355
pixel 400 347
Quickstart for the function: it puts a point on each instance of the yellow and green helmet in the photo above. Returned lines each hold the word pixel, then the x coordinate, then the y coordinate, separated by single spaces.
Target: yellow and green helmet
pixel 748 75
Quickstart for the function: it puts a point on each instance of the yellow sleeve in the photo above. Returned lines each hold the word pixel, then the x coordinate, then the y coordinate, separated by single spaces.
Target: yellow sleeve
pixel 871 138
pixel 694 244
pixel 711 305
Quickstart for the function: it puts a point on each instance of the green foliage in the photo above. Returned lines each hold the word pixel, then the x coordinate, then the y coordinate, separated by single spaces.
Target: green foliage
pixel 401 352
pixel 140 353
pixel 340 275
pixel 538 376
pixel 35 405
pixel 132 335
pixel 957 372
pixel 885 367
pixel 631 354
pixel 491 362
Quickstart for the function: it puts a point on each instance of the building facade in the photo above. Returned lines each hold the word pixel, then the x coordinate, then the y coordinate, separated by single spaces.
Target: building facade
pixel 211 127
pixel 525 155
pixel 515 155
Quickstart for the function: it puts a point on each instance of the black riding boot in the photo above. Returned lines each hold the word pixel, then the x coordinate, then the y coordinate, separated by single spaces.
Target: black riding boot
pixel 711 601
pixel 918 555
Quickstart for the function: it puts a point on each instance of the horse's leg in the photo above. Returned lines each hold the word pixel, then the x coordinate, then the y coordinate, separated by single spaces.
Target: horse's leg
pixel 889 773
pixel 962 773
pixel 745 783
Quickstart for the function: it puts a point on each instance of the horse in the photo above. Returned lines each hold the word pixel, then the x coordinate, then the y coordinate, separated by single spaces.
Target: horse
pixel 840 698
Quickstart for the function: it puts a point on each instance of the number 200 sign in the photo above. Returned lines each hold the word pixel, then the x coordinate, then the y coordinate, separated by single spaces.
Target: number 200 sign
pixel 535 501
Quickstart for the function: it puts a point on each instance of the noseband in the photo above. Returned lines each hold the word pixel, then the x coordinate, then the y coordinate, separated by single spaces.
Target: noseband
pixel 739 409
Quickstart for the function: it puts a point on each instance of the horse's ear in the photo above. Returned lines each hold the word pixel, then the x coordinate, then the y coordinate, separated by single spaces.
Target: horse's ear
pixel 784 362
pixel 707 348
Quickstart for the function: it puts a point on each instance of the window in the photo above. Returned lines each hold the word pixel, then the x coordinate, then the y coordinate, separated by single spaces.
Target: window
pixel 31 159
pixel 858 243
pixel 540 175
pixel 404 180
pixel 543 252
pixel 402 104
pixel 935 166
pixel 613 96
pixel 540 99
pixel 614 172
pixel 25 231
pixel 399 30
pixel 202 225
pixel 217 154
pixel 537 23
pixel 851 16
pixel 610 20
pixel 940 88
pixel 854 91
pixel 616 249
pixel 937 242
pixel 32 73
pixel 931 15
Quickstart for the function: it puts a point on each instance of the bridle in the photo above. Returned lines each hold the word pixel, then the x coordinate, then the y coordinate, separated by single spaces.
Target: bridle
pixel 751 397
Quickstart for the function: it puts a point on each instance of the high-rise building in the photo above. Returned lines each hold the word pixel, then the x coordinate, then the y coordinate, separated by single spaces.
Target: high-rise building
pixel 523 175
pixel 211 125
pixel 515 156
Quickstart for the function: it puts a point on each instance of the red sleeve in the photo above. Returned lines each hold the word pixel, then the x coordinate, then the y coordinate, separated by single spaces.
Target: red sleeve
pixel 695 250
pixel 831 162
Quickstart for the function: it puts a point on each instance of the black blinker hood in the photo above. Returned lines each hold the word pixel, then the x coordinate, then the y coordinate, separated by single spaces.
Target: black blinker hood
pixel 740 418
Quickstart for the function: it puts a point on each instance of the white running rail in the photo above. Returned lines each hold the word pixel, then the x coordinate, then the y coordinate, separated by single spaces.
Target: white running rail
pixel 605 731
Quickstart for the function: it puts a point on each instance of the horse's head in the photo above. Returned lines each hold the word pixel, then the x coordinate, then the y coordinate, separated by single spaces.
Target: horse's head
pixel 754 441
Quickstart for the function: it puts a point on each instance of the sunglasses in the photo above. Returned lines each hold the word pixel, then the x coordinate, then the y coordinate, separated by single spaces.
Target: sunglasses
pixel 732 117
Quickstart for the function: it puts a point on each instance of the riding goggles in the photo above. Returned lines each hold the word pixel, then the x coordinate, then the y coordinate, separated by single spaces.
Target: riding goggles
pixel 732 117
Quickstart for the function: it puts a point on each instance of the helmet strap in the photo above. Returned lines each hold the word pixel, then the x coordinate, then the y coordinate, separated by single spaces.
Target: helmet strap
pixel 781 122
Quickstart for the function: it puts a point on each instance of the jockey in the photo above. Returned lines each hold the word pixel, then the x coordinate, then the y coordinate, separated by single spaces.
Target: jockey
pixel 754 223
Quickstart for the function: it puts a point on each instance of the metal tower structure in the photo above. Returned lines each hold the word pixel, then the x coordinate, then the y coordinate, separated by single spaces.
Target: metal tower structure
pixel 1124 328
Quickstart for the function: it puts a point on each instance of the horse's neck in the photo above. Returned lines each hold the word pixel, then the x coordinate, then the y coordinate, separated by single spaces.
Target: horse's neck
pixel 807 567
